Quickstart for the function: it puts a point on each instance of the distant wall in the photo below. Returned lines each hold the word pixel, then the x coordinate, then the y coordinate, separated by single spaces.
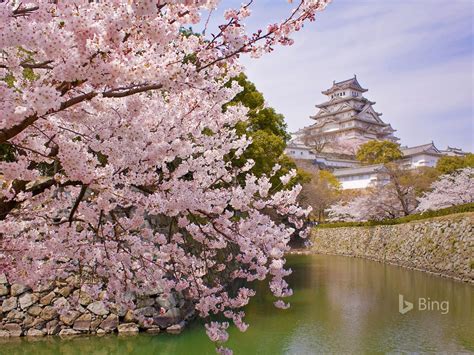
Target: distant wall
pixel 441 245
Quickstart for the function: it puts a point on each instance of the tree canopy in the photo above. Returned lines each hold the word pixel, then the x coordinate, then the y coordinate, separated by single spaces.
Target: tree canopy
pixel 267 130
pixel 448 164
pixel 320 192
pixel 378 152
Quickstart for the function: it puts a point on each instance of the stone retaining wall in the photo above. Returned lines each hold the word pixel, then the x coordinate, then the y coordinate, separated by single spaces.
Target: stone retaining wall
pixel 64 309
pixel 441 245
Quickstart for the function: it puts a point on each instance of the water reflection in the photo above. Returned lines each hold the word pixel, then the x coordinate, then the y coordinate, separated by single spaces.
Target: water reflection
pixel 339 305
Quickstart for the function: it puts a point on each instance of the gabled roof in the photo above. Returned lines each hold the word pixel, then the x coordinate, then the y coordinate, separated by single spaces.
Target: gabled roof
pixel 370 110
pixel 429 148
pixel 351 83
pixel 451 151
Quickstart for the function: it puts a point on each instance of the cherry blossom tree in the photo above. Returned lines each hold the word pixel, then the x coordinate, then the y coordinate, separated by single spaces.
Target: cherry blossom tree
pixel 392 199
pixel 398 197
pixel 449 190
pixel 373 205
pixel 320 192
pixel 122 168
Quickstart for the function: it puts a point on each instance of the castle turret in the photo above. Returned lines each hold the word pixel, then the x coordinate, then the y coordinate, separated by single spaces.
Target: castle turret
pixel 345 88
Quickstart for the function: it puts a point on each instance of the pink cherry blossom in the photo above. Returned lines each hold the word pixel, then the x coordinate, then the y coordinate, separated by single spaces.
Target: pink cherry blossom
pixel 449 190
pixel 123 168
pixel 282 305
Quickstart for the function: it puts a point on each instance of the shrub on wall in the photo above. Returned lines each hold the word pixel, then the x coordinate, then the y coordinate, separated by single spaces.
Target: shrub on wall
pixel 468 207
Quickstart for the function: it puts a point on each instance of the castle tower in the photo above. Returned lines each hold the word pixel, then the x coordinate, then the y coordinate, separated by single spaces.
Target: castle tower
pixel 346 120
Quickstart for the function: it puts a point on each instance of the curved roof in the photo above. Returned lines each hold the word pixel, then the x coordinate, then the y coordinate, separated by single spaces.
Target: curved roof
pixel 420 149
pixel 337 100
pixel 351 83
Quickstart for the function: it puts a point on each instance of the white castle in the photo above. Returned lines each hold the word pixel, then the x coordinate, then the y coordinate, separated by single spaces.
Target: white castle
pixel 345 121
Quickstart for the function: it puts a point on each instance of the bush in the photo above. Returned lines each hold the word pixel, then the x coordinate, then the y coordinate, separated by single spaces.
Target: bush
pixel 468 207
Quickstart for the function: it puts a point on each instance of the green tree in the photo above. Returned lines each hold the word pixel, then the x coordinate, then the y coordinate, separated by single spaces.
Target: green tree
pixel 448 164
pixel 268 131
pixel 420 178
pixel 7 152
pixel 329 179
pixel 378 152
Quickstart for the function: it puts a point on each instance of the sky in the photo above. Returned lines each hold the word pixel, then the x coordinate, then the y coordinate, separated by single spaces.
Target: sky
pixel 415 57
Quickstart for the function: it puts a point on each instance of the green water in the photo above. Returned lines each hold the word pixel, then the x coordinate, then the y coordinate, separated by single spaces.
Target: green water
pixel 340 305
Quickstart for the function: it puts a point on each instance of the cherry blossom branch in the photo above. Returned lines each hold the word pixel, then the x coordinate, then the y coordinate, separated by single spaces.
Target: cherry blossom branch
pixel 6 134
pixel 28 65
pixel 24 11
pixel 245 47
pixel 77 202
pixel 33 151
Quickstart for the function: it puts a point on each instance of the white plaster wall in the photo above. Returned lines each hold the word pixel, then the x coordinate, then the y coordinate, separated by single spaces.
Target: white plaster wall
pixel 359 182
pixel 299 153
pixel 423 160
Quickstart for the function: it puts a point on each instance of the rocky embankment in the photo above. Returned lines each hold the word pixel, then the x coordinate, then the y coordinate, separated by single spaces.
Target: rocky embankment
pixel 63 309
pixel 441 245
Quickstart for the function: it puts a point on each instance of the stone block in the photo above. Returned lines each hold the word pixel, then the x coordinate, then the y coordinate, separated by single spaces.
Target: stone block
pixel 128 328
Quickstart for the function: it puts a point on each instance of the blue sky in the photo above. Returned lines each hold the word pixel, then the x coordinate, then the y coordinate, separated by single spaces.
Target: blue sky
pixel 414 56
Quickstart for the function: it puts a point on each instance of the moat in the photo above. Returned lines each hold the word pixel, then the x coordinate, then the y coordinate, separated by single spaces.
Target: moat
pixel 339 305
